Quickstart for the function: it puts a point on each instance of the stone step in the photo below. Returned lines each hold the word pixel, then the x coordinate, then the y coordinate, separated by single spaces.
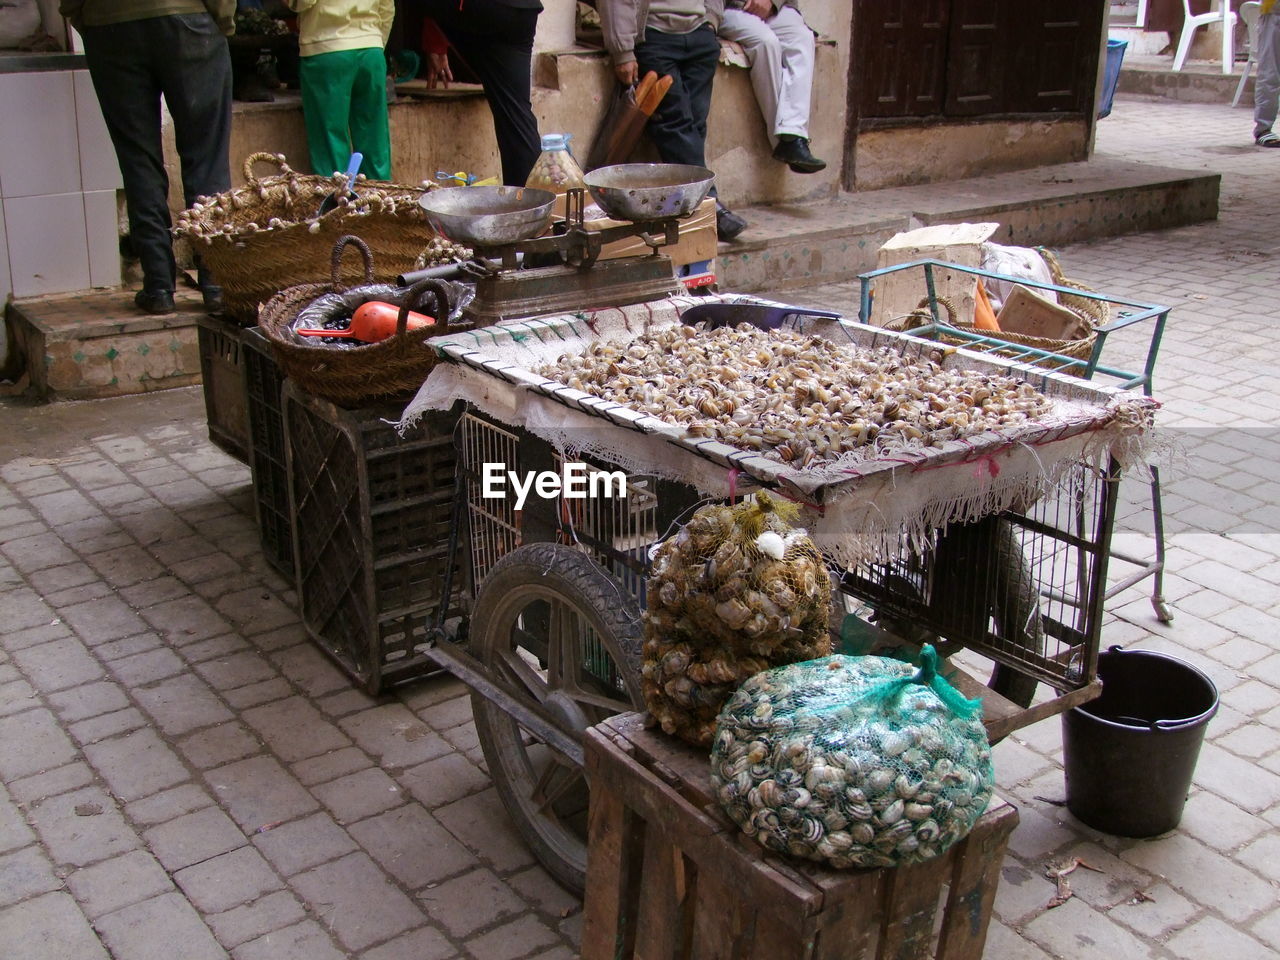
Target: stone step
pixel 1196 82
pixel 99 345
pixel 788 246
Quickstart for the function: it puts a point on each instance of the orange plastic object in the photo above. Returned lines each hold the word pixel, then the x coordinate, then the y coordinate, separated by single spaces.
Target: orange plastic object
pixel 984 318
pixel 373 322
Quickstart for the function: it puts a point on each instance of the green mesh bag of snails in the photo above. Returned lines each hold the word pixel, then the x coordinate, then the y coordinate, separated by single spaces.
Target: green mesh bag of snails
pixel 853 761
pixel 736 591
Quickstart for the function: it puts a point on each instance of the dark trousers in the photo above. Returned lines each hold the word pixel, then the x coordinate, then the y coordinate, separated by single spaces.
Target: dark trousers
pixel 678 128
pixel 184 58
pixel 496 41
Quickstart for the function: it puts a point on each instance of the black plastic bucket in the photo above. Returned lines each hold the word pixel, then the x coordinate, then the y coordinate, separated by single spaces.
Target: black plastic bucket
pixel 1131 753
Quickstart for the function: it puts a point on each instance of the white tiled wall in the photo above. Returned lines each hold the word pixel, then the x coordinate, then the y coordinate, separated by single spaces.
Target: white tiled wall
pixel 47 249
pixel 6 283
pixel 101 221
pixel 39 150
pixel 98 167
pixel 58 192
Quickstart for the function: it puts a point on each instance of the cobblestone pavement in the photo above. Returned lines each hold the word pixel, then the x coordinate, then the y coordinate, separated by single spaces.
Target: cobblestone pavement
pixel 185 776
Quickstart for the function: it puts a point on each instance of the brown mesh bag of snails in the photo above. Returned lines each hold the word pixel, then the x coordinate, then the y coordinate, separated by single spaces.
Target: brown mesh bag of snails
pixel 736 591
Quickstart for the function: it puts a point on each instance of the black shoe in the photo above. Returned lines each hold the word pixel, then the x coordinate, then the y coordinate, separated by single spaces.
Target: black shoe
pixel 728 223
pixel 794 152
pixel 212 296
pixel 154 301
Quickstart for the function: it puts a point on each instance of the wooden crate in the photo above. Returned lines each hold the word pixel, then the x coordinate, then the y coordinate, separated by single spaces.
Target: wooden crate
pixel 670 876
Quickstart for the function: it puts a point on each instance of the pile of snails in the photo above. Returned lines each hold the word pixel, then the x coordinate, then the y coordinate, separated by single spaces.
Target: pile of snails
pixel 813 760
pixel 796 398
pixel 736 591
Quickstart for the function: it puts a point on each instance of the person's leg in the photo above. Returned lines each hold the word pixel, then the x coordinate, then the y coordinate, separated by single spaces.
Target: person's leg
pixel 327 80
pixel 1266 90
pixel 678 127
pixel 195 74
pixel 496 42
pixel 370 130
pixel 798 49
pixel 129 96
pixel 764 54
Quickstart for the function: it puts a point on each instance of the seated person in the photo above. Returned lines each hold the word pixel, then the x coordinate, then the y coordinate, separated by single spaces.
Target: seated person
pixel 779 46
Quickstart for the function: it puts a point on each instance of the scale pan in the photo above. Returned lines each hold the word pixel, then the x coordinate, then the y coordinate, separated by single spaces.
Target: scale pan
pixel 649 191
pixel 488 216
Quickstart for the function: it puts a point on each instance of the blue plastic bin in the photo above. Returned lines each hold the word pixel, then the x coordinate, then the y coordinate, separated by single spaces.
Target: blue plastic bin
pixel 1111 77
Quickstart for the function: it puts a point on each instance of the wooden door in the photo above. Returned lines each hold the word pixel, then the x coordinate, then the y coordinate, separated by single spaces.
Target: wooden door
pixel 901 56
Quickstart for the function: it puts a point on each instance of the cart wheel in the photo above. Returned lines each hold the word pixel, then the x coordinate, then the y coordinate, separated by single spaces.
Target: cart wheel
pixel 551 622
pixel 1016 611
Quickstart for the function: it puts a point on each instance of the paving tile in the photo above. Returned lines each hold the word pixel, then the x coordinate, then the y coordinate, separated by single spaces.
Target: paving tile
pixel 149 930
pixel 143 668
pixel 137 764
pixel 216 648
pixel 119 882
pixel 54 579
pixel 14 831
pixel 98 621
pixel 1161 911
pixel 424 943
pixel 514 939
pixel 448 713
pixel 1196 872
pixel 194 838
pixel 35 743
pixel 254 610
pixel 331 765
pixel 48 928
pixel 471 902
pixel 345 702
pixel 537 887
pixel 303 941
pixel 81 827
pixel 181 704
pixel 128 647
pixel 394 735
pixel 302 844
pixel 242 698
pixel 24 874
pixel 1210 937
pixel 125 566
pixel 1236 780
pixel 441 781
pixel 354 899
pixel 106 725
pixel 360 795
pixel 58 664
pixel 1078 931
pixel 88 700
pixel 30 554
pixel 168 804
pixel 214 746
pixel 308 669
pixel 294 729
pixel 411 846
pixel 275 911
pixel 152 592
pixel 259 791
pixel 17 696
pixel 227 881
pixel 71 776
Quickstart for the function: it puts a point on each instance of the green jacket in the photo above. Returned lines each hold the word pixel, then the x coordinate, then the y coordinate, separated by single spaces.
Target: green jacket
pixel 99 13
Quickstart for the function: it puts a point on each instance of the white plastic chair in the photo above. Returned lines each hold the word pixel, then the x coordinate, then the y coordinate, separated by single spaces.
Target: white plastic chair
pixel 1193 21
pixel 1249 13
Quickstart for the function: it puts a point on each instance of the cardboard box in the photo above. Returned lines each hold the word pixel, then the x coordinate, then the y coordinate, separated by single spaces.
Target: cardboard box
pixel 697 237
pixel 900 293
pixel 1029 313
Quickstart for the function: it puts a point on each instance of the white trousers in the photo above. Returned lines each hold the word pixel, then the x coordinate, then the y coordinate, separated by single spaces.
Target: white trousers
pixel 780 51
pixel 1266 83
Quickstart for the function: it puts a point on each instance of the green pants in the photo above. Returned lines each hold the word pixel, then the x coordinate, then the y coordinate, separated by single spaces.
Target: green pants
pixel 344 104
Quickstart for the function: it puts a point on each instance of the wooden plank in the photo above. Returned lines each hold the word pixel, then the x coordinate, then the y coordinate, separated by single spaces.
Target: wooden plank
pixel 978 859
pixel 661 929
pixel 911 895
pixel 846 927
pixel 722 919
pixel 998 730
pixel 608 921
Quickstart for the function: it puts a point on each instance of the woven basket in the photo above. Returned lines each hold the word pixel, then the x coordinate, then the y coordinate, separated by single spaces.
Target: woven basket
pixel 1094 313
pixel 258 239
pixel 355 376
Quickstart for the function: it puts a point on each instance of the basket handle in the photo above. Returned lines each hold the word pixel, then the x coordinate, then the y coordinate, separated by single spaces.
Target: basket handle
pixel 439 291
pixel 335 260
pixel 264 157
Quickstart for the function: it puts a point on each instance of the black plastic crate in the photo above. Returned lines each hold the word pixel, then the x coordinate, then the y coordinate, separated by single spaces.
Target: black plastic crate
pixel 263 381
pixel 372 512
pixel 225 404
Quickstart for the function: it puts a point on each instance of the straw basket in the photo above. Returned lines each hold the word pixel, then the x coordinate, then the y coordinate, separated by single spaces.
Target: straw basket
pixel 259 239
pixel 1094 313
pixel 355 376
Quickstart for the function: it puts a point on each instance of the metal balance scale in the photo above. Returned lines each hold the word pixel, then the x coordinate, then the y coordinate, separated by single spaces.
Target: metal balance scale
pixel 520 273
